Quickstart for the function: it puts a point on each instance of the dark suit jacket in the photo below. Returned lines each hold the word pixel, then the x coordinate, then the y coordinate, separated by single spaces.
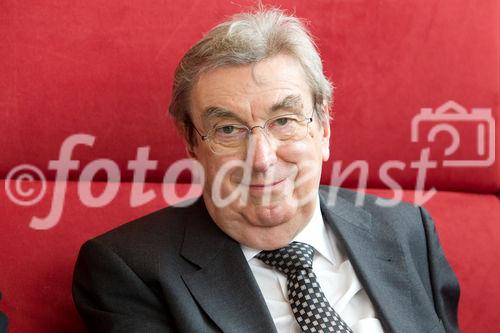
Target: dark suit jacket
pixel 3 320
pixel 3 323
pixel 176 271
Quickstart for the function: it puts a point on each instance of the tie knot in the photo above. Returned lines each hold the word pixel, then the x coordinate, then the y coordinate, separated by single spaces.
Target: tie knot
pixel 289 259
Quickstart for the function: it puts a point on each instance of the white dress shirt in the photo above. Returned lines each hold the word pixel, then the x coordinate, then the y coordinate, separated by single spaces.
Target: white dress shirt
pixel 335 276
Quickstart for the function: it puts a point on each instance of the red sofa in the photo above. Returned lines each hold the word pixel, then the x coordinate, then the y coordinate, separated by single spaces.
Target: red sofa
pixel 104 70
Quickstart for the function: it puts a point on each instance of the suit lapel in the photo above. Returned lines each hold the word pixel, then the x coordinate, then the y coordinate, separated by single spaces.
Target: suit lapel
pixel 224 285
pixel 377 260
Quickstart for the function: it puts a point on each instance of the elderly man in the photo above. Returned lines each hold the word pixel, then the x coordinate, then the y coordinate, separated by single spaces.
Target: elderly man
pixel 264 249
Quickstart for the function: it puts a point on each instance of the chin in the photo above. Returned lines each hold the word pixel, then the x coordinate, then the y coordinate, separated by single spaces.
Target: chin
pixel 274 214
pixel 281 236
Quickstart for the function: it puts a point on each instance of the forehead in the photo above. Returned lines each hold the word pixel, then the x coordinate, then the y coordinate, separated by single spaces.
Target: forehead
pixel 250 90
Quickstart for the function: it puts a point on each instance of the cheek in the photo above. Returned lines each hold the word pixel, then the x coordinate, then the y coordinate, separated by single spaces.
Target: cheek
pixel 306 158
pixel 213 167
pixel 301 151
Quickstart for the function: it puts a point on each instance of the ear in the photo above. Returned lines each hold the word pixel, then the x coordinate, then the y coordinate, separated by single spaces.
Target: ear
pixel 190 151
pixel 181 129
pixel 325 138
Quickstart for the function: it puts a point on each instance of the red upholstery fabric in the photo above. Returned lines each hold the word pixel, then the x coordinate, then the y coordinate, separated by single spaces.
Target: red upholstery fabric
pixel 105 69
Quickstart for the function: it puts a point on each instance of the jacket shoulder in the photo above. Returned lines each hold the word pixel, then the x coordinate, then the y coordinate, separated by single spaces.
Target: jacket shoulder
pixel 162 230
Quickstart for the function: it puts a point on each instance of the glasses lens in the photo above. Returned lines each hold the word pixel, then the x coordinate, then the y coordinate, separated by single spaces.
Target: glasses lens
pixel 288 127
pixel 228 138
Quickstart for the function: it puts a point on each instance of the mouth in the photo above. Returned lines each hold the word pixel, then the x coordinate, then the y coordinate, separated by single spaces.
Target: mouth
pixel 259 188
pixel 269 185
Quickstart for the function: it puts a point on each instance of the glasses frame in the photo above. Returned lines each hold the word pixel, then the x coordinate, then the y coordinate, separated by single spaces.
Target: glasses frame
pixel 206 137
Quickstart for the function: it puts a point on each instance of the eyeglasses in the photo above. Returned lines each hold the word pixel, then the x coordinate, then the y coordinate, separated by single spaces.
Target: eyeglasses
pixel 232 138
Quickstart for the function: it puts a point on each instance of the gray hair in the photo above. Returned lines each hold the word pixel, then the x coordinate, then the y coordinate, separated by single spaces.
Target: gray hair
pixel 248 38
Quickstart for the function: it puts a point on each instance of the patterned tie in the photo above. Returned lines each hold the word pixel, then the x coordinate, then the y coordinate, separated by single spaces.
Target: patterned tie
pixel 309 305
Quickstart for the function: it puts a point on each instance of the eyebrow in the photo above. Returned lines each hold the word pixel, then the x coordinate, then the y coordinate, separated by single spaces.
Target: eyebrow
pixel 290 102
pixel 216 112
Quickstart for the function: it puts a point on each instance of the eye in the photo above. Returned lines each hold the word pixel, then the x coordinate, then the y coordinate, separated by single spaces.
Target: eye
pixel 282 121
pixel 227 129
pixel 229 132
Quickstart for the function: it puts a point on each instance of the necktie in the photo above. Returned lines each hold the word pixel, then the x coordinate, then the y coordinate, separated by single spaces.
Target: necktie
pixel 309 304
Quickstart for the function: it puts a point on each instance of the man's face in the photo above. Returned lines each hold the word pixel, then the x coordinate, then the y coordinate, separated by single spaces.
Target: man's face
pixel 280 175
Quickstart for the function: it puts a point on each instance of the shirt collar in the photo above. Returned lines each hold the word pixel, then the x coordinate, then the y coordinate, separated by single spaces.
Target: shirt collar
pixel 314 234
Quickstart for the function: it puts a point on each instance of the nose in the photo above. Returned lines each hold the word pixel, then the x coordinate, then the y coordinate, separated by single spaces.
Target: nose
pixel 263 150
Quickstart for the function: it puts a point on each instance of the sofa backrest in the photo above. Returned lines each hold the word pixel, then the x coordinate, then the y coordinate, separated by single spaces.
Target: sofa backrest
pixel 105 70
